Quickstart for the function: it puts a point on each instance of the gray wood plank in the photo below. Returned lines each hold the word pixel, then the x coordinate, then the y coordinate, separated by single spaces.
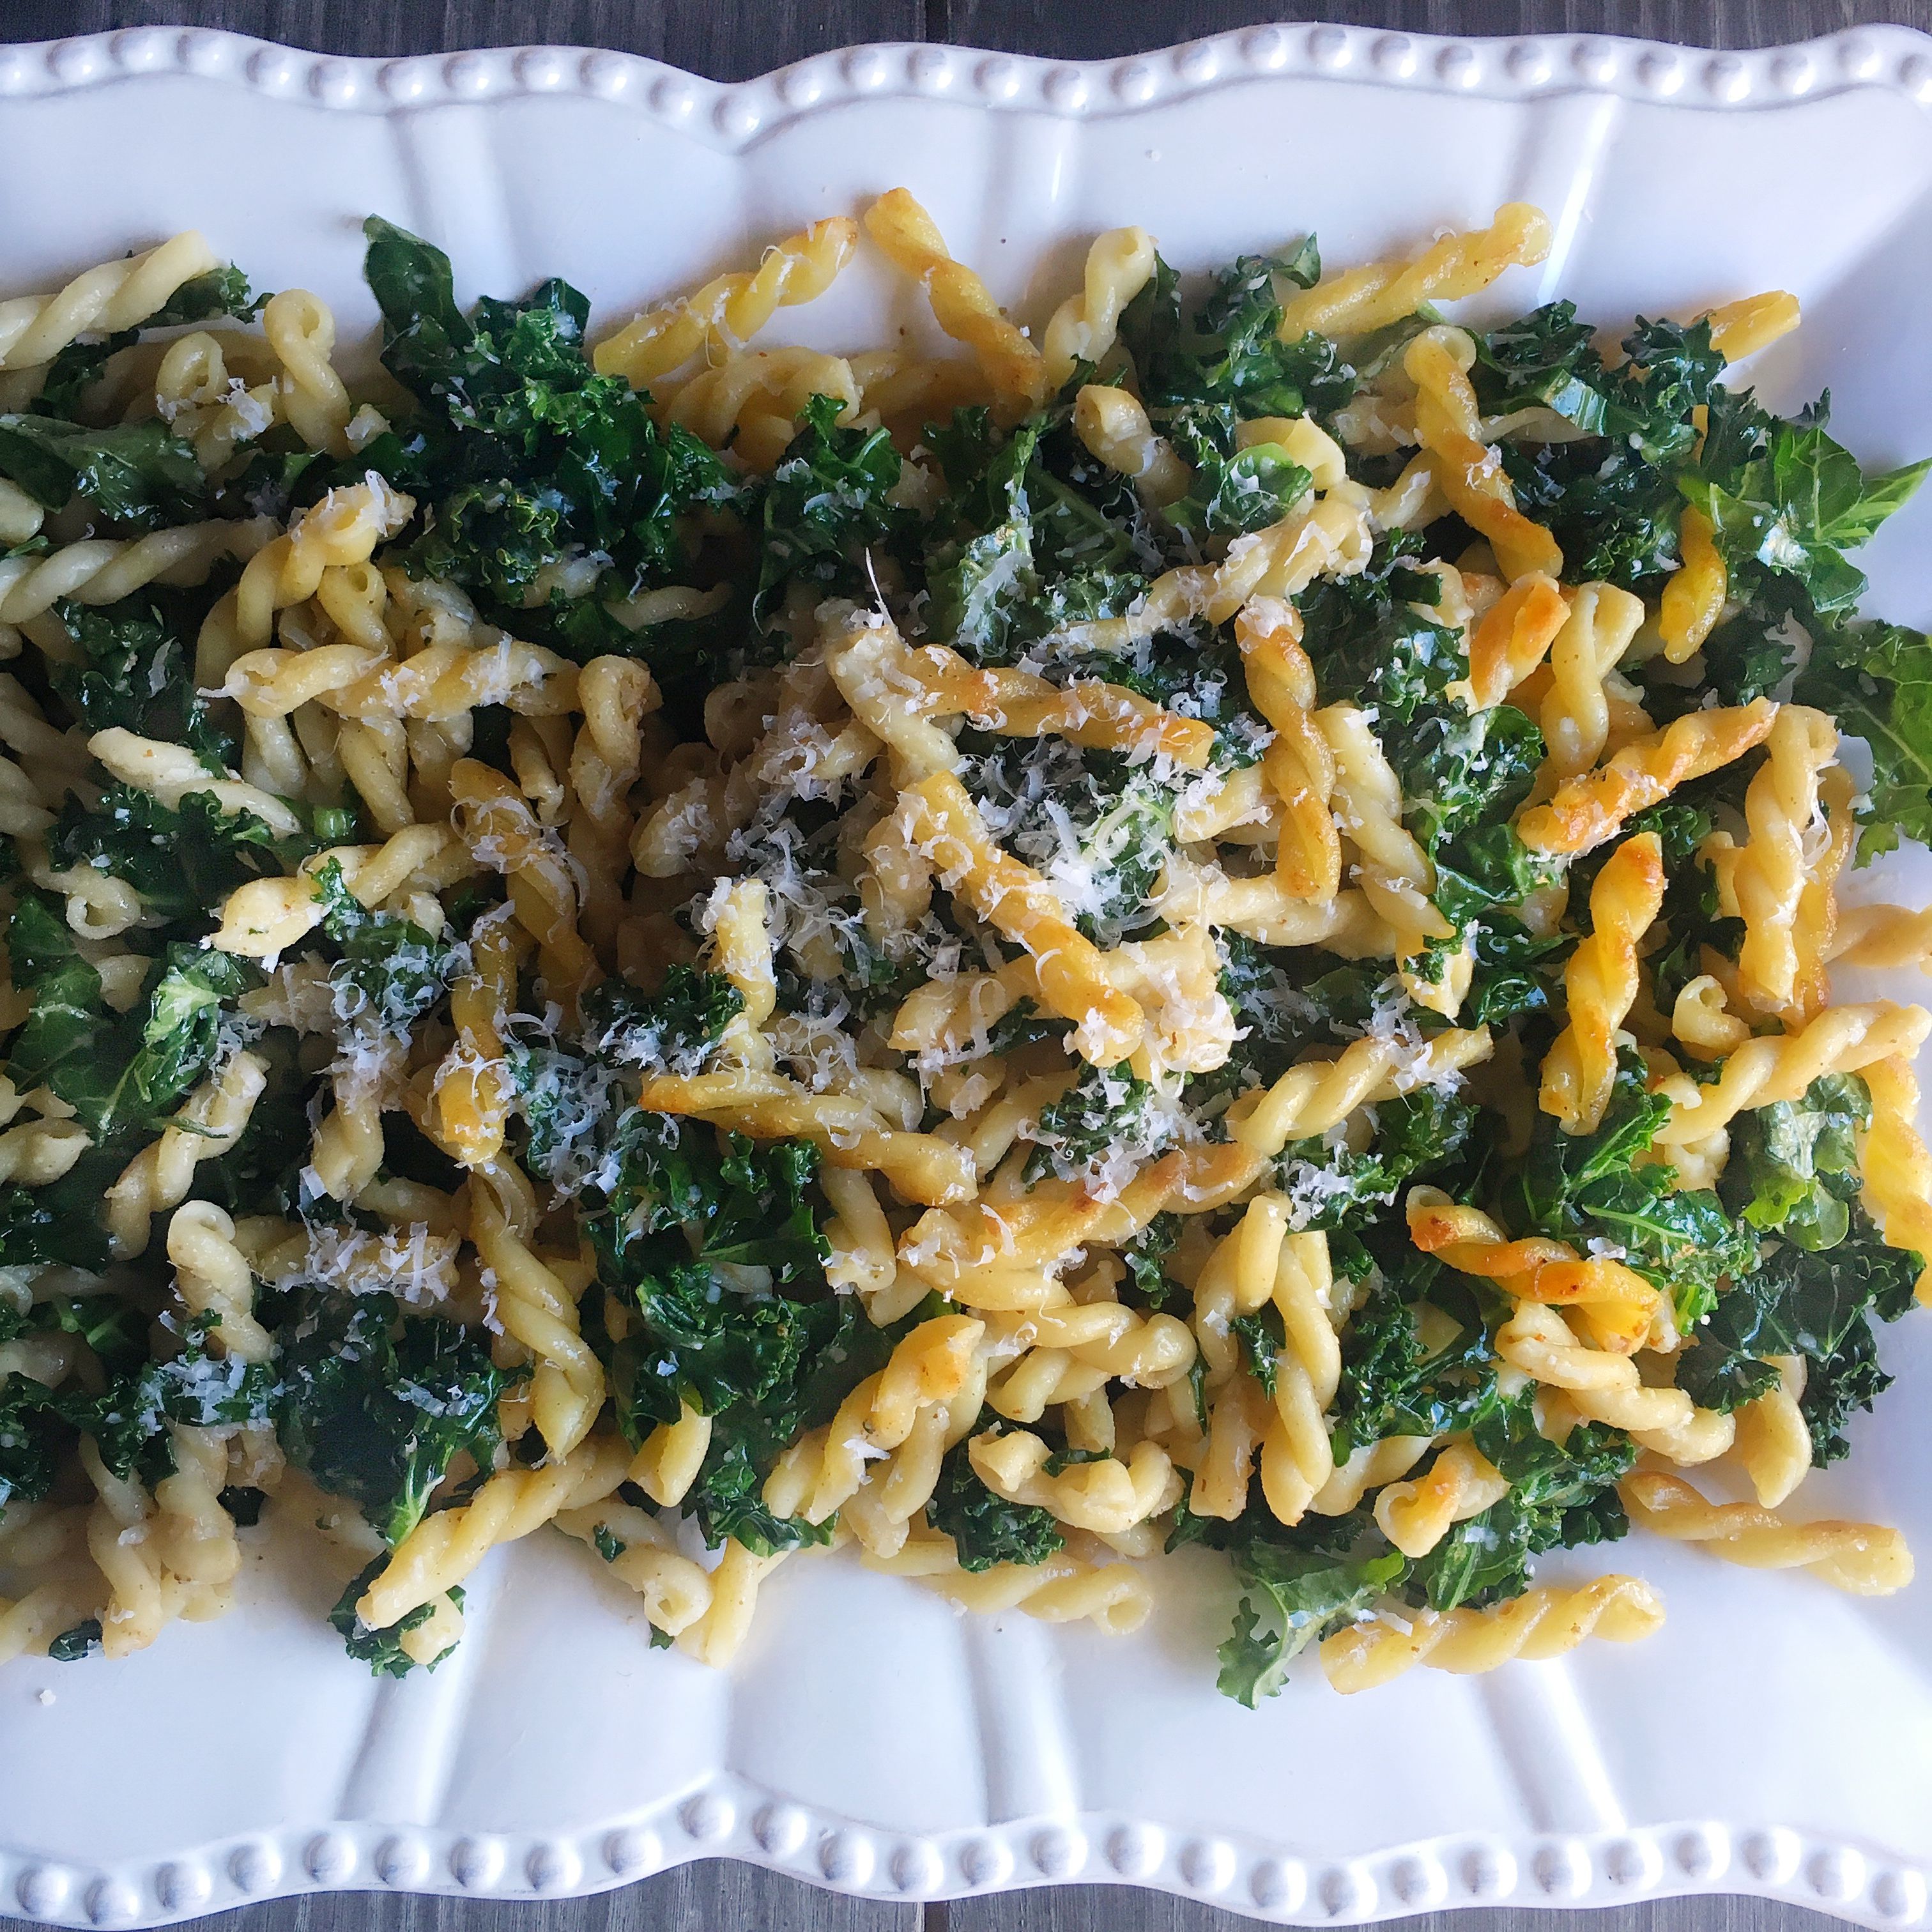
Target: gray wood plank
pixel 729 39
pixel 713 1896
pixel 1092 29
pixel 1121 1908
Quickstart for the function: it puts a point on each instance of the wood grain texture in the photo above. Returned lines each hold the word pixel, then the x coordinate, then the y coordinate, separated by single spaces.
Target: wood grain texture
pixel 1089 29
pixel 728 39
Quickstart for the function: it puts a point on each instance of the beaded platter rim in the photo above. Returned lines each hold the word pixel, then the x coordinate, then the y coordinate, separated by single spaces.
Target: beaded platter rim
pixel 728 1816
pixel 736 113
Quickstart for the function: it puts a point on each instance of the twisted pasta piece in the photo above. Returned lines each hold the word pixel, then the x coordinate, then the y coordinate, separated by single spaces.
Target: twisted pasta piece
pixel 1076 1350
pixel 675 1591
pixel 470 1098
pixel 103 570
pixel 1368 1467
pixel 1469 471
pixel 1319 1094
pixel 1694 595
pixel 1897 1168
pixel 169 772
pixel 942 824
pixel 1774 1441
pixel 266 916
pixel 885 1412
pixel 1599 984
pixel 909 239
pixel 1359 300
pixel 313 399
pixel 194 1535
pixel 1108 1496
pixel 495 822
pixel 752 402
pixel 1542 1623
pixel 1606 1387
pixel 199 399
pixel 447 1545
pixel 728 311
pixel 1416 1515
pixel 1591 807
pixel 1616 1303
pixel 120 1538
pixel 1300 764
pixel 37 1152
pixel 159 1176
pixel 1397 877
pixel 1762 1072
pixel 21 515
pixel 672 1456
pixel 1513 637
pixel 104 300
pixel 344 527
pixel 1084 328
pixel 1576 714
pixel 539 1312
pixel 1865 1558
pixel 1115 429
pixel 1770 875
pixel 212 1276
pixel 1888 936
pixel 1068 1587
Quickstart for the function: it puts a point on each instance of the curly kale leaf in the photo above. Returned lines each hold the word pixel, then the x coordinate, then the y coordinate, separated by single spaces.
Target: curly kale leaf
pixel 1297 1587
pixel 1231 352
pixel 1877 680
pixel 521 455
pixel 376 1408
pixel 1786 497
pixel 139 475
pixel 1416 1134
pixel 120 1072
pixel 1560 1496
pixel 182 859
pixel 1108 1111
pixel 1818 1305
pixel 985 1528
pixel 829 502
pixel 135 671
pixel 391 971
pixel 1794 1166
pixel 1583 1188
pixel 1233 490
pixel 1395 1383
pixel 718 1251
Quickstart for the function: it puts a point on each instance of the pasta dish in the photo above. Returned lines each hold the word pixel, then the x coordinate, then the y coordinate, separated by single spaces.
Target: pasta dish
pixel 1212 924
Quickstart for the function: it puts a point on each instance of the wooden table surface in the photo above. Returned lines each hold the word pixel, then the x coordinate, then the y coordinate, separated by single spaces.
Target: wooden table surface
pixel 729 40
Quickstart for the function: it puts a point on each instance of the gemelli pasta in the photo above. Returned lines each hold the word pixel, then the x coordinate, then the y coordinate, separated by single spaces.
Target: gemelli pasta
pixel 1211 929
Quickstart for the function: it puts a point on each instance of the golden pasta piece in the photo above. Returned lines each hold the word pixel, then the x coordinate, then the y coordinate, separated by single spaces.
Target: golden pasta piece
pixel 117 295
pixel 1742 328
pixel 1590 808
pixel 1599 984
pixel 1358 300
pixel 1617 1304
pixel 1470 472
pixel 1770 872
pixel 729 311
pixel 1863 1557
pixel 1544 1622
pixel 907 236
pixel 1694 597
pixel 1514 636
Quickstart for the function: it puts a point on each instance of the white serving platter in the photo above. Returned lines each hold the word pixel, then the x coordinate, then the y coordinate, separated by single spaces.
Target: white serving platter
pixel 1775 1739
